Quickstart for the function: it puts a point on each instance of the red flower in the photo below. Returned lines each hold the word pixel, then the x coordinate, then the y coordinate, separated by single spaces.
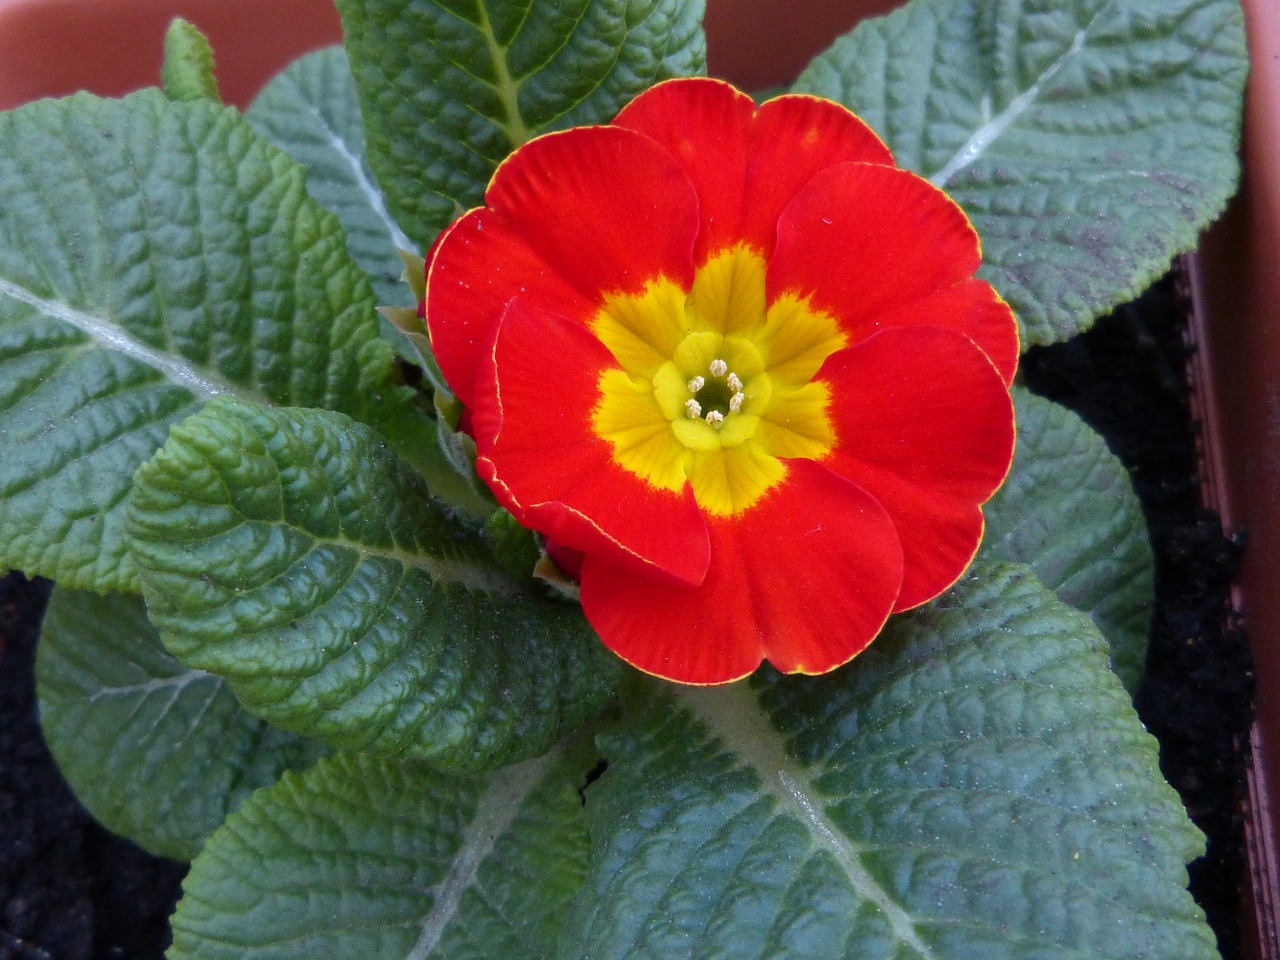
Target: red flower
pixel 740 361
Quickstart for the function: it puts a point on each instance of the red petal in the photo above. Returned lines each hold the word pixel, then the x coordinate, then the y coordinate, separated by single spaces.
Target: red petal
pixel 606 208
pixel 571 216
pixel 940 535
pixel 925 425
pixel 794 138
pixel 566 559
pixel 542 459
pixel 747 168
pixel 862 240
pixel 805 578
pixel 477 265
pixel 706 126
pixel 970 307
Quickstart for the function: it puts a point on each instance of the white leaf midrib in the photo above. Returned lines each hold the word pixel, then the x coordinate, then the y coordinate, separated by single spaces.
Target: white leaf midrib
pixel 372 195
pixel 993 126
pixel 111 336
pixel 733 716
pixel 494 814
pixel 178 681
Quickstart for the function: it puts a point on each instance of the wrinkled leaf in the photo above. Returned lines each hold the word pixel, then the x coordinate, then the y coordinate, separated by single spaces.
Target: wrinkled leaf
pixel 1069 511
pixel 310 111
pixel 155 751
pixel 187 72
pixel 383 859
pixel 1089 140
pixel 292 553
pixel 449 88
pixel 152 255
pixel 974 785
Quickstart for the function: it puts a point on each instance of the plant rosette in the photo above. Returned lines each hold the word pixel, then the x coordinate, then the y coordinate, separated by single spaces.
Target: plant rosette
pixel 684 380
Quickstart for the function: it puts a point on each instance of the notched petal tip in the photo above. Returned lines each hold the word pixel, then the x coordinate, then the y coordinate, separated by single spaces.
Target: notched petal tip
pixel 930 449
pixel 681 97
pixel 606 208
pixel 780 586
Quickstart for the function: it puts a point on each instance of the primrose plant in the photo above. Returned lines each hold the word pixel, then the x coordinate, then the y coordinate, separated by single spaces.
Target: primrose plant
pixel 452 466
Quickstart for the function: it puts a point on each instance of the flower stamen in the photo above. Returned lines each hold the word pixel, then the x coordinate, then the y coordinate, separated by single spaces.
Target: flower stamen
pixel 715 397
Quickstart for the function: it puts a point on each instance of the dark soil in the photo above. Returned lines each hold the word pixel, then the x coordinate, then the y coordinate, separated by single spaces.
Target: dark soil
pixel 1127 378
pixel 71 891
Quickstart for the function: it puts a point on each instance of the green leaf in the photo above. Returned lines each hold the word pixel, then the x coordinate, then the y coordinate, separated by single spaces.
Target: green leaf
pixel 450 87
pixel 458 450
pixel 376 858
pixel 155 751
pixel 187 73
pixel 152 255
pixel 1089 140
pixel 975 785
pixel 1069 511
pixel 514 547
pixel 310 111
pixel 291 552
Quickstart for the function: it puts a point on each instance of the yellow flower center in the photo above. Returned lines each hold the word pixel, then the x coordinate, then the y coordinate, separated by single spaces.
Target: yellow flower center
pixel 714 388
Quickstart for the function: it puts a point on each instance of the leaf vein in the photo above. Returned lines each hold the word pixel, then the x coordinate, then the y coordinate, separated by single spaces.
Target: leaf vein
pixel 495 812
pixel 991 130
pixel 366 186
pixel 734 717
pixel 114 337
pixel 178 681
pixel 507 88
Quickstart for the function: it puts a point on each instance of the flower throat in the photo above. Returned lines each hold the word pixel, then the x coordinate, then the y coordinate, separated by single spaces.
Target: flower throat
pixel 715 398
